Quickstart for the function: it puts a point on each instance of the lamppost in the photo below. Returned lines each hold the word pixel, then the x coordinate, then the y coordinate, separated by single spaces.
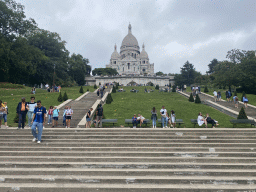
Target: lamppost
pixel 53 84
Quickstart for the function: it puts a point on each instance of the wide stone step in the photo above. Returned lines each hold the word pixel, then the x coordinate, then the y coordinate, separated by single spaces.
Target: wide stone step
pixel 128 149
pixel 125 154
pixel 126 172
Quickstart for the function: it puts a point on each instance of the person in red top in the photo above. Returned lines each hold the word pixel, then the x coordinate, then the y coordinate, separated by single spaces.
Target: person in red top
pixel 50 115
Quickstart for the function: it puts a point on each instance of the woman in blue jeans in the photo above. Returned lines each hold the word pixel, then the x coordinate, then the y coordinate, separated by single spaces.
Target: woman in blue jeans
pixel 154 116
pixel 134 121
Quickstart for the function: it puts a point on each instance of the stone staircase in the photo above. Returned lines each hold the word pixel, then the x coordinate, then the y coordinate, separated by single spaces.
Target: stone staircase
pixel 249 110
pixel 80 108
pixel 122 159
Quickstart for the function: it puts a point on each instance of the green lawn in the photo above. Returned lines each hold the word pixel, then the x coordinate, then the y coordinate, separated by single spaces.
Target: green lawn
pixel 251 97
pixel 46 98
pixel 125 104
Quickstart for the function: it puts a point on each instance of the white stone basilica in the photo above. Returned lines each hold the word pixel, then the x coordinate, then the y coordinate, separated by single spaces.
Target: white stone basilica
pixel 131 61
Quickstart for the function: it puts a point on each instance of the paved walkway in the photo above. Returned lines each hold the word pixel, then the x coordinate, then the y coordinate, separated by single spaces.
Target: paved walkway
pixel 250 111
pixel 144 160
pixel 80 108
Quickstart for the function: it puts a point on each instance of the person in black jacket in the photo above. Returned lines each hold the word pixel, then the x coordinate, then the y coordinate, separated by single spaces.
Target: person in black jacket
pixel 22 110
pixel 211 121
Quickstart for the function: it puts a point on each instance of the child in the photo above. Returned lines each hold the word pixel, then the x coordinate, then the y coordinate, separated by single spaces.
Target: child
pixel 55 115
pixel 173 118
pixel 168 119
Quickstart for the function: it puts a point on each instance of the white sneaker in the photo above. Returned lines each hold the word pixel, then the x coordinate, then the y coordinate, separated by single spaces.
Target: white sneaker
pixel 66 127
pixel 38 142
pixel 34 140
pixel 166 127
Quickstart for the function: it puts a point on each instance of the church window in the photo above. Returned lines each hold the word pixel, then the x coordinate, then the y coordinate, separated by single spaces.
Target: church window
pixel 134 68
pixel 123 68
pixel 135 56
pixel 144 70
pixel 114 62
pixel 128 65
pixel 132 54
pixel 143 62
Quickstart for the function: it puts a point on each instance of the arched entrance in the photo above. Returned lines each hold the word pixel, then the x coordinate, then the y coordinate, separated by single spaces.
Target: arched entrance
pixel 132 83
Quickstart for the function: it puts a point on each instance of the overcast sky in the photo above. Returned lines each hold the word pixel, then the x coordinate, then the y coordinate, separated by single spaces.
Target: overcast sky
pixel 173 31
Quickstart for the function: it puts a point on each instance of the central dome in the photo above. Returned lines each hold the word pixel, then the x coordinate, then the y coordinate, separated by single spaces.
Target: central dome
pixel 129 39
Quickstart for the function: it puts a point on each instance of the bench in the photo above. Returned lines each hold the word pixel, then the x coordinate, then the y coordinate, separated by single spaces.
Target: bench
pixel 134 91
pixel 242 121
pixel 129 121
pixel 109 121
pixel 177 121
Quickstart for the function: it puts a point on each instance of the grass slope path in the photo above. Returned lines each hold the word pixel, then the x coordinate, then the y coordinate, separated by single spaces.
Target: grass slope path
pixel 128 160
pixel 250 111
pixel 80 107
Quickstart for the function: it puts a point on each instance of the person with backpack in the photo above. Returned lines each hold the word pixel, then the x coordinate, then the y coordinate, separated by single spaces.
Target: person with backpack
pixel 88 118
pixel 99 114
pixel 55 116
pixel 227 96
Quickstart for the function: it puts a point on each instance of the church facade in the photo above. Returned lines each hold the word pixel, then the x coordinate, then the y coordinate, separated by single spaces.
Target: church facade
pixel 130 60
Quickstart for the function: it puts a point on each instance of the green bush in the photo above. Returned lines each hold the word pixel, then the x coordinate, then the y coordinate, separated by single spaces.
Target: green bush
pixel 151 84
pixel 114 89
pixel 242 114
pixel 174 88
pixel 109 99
pixel 65 97
pixel 243 94
pixel 235 93
pixel 157 87
pixel 206 89
pixel 95 87
pixel 198 100
pixel 191 98
pixel 60 99
pixel 88 90
pixel 81 89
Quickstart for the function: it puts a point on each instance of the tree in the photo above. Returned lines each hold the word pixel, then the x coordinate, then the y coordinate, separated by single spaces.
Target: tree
pixel 157 87
pixel 12 20
pixel 237 55
pixel 198 100
pixel 114 89
pixel 95 86
pixel 104 71
pixel 242 114
pixel 191 98
pixel 65 96
pixel 109 99
pixel 60 99
pixel 212 65
pixel 206 89
pixel 174 88
pixel 159 73
pixel 81 89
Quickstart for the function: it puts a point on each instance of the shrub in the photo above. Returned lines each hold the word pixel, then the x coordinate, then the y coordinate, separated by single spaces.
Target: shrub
pixel 157 87
pixel 242 114
pixel 65 96
pixel 114 89
pixel 235 93
pixel 109 99
pixel 117 86
pixel 206 89
pixel 81 89
pixel 151 84
pixel 95 86
pixel 88 90
pixel 191 98
pixel 243 94
pixel 174 88
pixel 60 99
pixel 11 86
pixel 198 100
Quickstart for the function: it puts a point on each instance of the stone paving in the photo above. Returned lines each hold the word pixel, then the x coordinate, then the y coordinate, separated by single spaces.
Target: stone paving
pixel 123 159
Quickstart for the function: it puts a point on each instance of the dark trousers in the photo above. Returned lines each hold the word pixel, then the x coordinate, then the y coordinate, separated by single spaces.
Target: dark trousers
pixel 22 119
pixel 211 121
pixel 134 123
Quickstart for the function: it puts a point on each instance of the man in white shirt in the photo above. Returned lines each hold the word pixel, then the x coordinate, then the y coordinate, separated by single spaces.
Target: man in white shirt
pixel 215 95
pixel 163 113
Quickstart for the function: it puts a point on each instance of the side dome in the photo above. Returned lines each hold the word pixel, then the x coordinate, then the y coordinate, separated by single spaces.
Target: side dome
pixel 143 53
pixel 129 39
pixel 115 54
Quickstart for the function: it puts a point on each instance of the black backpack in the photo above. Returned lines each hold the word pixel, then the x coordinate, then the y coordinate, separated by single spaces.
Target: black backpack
pixel 100 111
